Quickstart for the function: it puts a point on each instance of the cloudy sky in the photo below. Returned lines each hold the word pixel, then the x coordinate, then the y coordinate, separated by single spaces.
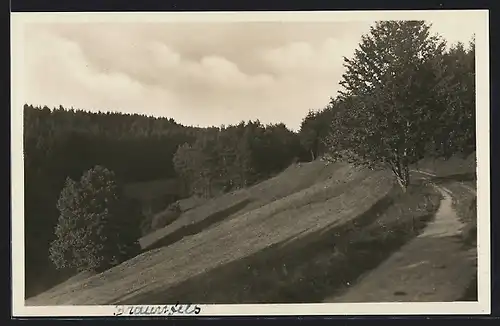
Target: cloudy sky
pixel 197 73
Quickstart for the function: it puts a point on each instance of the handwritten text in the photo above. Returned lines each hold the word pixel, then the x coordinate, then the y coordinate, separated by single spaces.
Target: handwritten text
pixel 157 310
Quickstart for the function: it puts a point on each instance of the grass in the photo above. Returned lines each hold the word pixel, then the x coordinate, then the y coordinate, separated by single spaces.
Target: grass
pixel 455 165
pixel 465 204
pixel 342 196
pixel 194 228
pixel 470 294
pixel 295 178
pixel 195 219
pixel 301 236
pixel 307 233
pixel 315 266
pixel 78 277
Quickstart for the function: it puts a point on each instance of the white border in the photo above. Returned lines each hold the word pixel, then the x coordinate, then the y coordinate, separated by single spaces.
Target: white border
pixel 476 18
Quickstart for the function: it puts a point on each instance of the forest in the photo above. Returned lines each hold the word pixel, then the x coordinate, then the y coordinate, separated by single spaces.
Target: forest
pixel 61 143
pixel 406 96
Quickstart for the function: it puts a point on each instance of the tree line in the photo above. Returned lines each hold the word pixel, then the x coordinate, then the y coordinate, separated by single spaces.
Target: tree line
pixel 236 156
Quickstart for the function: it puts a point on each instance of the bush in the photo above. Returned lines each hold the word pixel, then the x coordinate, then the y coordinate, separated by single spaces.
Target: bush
pixel 95 229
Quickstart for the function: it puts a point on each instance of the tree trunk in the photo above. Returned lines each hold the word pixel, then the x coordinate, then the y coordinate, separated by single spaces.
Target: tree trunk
pixel 403 177
pixel 312 155
pixel 401 171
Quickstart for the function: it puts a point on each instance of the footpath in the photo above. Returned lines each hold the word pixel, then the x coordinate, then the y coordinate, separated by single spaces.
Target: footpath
pixel 433 267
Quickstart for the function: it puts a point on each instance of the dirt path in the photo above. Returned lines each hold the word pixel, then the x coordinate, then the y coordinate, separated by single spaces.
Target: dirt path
pixel 430 174
pixel 433 267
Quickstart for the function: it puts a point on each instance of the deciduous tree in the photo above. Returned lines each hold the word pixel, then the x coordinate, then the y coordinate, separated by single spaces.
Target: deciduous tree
pixel 94 230
pixel 389 102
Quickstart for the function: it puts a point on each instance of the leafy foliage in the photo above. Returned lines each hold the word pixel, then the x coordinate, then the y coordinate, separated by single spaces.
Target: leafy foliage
pixel 94 229
pixel 235 156
pixel 400 99
pixel 314 128
pixel 455 130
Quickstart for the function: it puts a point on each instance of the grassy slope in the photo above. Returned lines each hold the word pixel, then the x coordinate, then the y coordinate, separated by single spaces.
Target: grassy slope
pixel 293 179
pixel 310 267
pixel 258 244
pixel 281 211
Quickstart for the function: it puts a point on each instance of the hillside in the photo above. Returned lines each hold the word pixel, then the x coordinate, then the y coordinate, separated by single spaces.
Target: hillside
pixel 301 211
pixel 295 178
pixel 143 153
pixel 342 220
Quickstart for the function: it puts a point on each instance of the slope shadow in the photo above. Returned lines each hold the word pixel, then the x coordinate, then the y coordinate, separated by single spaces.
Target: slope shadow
pixel 198 227
pixel 305 270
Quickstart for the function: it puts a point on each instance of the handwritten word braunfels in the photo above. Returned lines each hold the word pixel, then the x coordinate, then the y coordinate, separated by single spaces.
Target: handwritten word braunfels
pixel 158 310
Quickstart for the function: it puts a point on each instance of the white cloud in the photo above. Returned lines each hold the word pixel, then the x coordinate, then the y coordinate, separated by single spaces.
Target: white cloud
pixel 57 73
pixel 162 56
pixel 200 74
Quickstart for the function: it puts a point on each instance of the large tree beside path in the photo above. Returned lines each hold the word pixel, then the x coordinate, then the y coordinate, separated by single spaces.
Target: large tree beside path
pixel 394 106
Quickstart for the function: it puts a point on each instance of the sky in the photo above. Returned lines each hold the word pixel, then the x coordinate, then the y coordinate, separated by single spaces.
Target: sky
pixel 197 73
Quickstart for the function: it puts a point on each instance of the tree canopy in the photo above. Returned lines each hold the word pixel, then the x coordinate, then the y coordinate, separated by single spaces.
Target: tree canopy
pixel 236 156
pixel 399 100
pixel 95 228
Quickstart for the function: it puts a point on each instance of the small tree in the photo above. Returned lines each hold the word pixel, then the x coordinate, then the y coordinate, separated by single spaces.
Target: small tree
pixel 313 130
pixel 197 165
pixel 95 229
pixel 389 109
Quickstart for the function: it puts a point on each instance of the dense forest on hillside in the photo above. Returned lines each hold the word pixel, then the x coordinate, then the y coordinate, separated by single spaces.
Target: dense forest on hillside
pixel 400 103
pixel 61 143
